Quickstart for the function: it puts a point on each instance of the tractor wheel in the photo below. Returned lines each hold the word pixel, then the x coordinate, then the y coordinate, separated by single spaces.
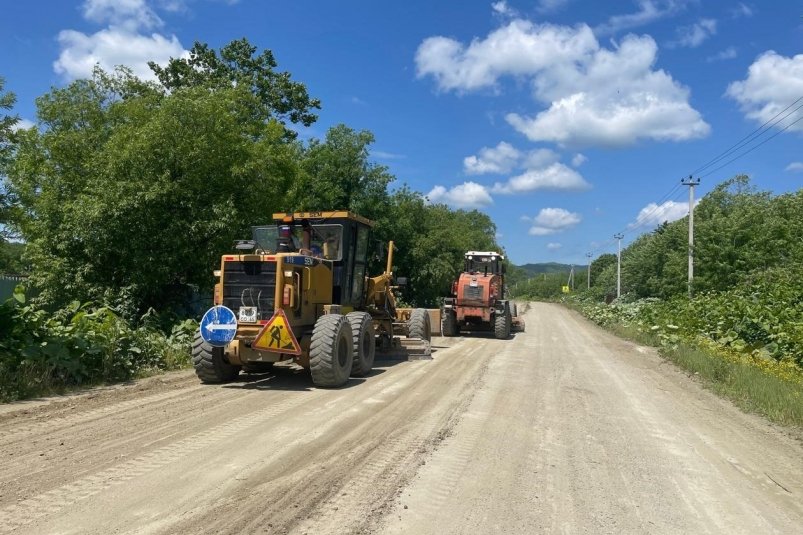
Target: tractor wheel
pixel 418 326
pixel 502 325
pixel 258 367
pixel 331 351
pixel 364 344
pixel 210 363
pixel 449 324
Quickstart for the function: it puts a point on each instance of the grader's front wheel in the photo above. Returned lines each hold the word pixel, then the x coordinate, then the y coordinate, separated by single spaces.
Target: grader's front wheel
pixel 331 351
pixel 210 363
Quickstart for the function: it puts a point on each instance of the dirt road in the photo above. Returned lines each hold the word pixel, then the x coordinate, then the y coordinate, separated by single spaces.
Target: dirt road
pixel 564 429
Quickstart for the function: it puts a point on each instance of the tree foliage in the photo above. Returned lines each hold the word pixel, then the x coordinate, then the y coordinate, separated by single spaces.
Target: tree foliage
pixel 739 233
pixel 128 194
pixel 237 65
pixel 7 123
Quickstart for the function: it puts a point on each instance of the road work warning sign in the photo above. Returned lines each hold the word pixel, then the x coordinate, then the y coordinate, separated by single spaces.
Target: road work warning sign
pixel 277 336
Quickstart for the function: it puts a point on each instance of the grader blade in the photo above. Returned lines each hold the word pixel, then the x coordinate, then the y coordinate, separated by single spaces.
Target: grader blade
pixel 406 349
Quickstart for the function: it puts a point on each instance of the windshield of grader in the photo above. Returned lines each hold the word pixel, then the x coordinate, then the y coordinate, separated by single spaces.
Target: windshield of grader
pixel 325 240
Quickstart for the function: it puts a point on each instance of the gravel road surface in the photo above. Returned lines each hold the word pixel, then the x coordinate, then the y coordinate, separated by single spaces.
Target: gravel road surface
pixel 561 429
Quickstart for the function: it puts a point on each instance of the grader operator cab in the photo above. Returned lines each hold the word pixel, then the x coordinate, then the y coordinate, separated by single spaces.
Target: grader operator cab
pixel 298 290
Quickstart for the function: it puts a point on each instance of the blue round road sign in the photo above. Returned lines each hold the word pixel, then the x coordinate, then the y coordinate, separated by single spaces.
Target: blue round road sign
pixel 218 326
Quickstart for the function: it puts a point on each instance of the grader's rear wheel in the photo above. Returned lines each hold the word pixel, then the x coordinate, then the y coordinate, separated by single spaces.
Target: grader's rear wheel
pixel 331 352
pixel 364 345
pixel 418 326
pixel 210 362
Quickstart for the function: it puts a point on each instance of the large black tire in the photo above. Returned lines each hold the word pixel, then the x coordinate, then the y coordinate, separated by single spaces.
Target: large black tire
pixel 502 325
pixel 364 342
pixel 331 351
pixel 449 323
pixel 210 363
pixel 418 326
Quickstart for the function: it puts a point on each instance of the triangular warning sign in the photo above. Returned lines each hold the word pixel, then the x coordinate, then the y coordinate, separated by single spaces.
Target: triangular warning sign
pixel 277 336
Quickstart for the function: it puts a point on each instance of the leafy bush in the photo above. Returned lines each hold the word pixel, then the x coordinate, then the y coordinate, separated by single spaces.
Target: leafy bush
pixel 80 344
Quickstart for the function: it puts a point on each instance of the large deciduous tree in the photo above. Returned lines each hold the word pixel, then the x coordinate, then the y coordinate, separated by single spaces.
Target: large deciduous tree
pixel 238 65
pixel 130 194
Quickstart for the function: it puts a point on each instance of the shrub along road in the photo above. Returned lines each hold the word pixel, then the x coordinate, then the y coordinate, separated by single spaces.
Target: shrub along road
pixel 564 428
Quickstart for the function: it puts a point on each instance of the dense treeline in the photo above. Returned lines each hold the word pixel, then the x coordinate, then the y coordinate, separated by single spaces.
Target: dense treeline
pixel 747 297
pixel 739 234
pixel 127 192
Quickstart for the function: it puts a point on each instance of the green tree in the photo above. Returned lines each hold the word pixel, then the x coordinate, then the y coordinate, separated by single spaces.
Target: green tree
pixel 337 175
pixel 237 65
pixel 7 123
pixel 131 194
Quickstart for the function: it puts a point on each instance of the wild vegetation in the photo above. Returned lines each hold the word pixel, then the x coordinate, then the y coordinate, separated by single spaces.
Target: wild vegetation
pixel 742 330
pixel 127 192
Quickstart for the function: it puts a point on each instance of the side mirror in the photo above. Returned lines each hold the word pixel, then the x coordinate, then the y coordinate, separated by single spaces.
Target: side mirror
pixel 401 281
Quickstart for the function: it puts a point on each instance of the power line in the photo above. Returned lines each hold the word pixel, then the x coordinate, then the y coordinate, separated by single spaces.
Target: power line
pixel 758 132
pixel 754 147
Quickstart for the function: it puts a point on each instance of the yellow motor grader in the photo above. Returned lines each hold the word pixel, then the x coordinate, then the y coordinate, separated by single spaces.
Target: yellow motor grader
pixel 298 290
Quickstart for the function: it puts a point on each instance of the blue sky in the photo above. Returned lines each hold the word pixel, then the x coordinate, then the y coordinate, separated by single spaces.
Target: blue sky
pixel 564 120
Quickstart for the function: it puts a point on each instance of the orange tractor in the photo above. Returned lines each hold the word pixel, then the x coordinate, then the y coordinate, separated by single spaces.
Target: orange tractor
pixel 478 301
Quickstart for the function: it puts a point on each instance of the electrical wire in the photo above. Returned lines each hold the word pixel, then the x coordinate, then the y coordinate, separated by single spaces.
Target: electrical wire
pixel 644 219
pixel 754 147
pixel 755 134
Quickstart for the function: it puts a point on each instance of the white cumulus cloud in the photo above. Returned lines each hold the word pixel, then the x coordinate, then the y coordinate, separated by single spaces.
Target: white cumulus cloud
pixel 553 246
pixel 556 176
pixel 111 47
pixel 466 195
pixel 553 220
pixel 122 42
pixel 579 159
pixel 773 82
pixel 588 94
pixel 655 214
pixel 500 159
pixel 129 14
pixel 795 167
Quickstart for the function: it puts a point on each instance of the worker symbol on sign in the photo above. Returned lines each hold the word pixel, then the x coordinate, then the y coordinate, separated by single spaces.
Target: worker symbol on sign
pixel 277 336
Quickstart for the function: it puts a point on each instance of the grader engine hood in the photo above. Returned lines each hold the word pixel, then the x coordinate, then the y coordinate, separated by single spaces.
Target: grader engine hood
pixel 475 289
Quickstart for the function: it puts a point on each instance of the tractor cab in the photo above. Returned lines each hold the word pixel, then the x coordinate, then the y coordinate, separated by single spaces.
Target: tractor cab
pixel 337 237
pixel 485 263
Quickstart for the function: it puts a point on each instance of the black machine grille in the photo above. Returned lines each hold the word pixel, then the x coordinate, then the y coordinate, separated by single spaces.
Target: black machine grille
pixel 250 284
pixel 472 293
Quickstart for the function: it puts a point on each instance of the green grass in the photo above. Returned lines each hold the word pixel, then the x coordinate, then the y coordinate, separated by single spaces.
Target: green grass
pixel 747 386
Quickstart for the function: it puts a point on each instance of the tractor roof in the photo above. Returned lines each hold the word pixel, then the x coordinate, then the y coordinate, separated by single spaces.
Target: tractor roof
pixel 484 253
pixel 321 217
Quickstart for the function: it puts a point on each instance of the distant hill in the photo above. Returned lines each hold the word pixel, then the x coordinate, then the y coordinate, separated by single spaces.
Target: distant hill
pixel 548 267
